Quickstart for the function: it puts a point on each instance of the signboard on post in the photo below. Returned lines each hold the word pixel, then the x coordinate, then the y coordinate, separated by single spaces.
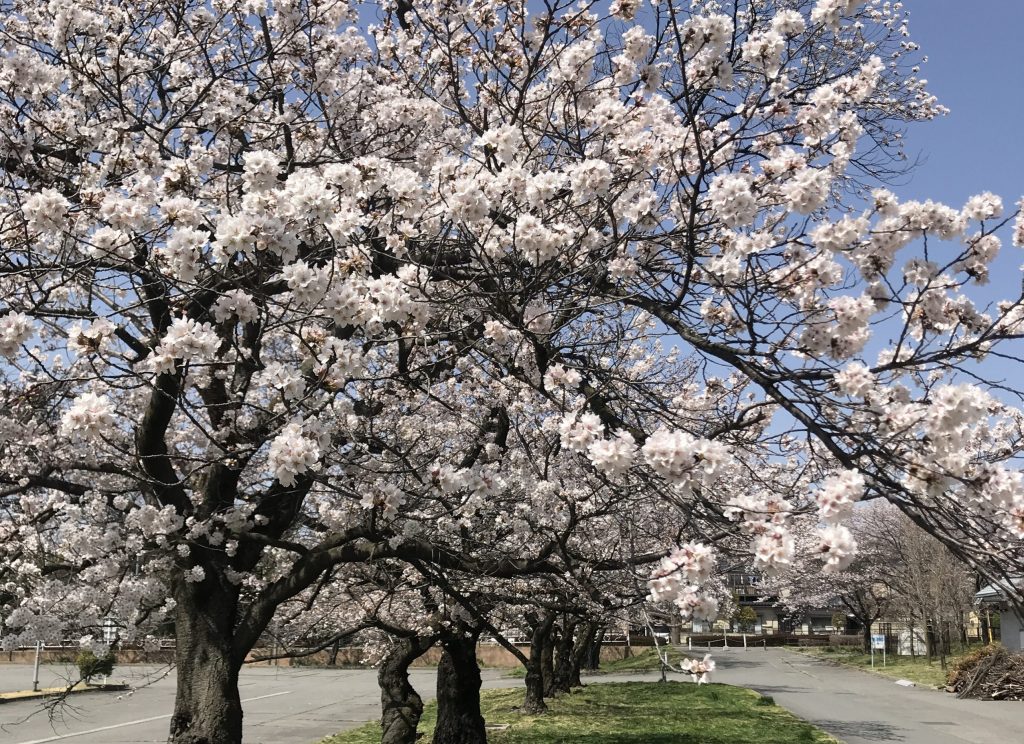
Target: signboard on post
pixel 877 641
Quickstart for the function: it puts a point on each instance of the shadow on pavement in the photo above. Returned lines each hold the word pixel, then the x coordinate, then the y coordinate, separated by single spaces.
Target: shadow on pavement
pixel 869 730
pixel 776 689
pixel 727 663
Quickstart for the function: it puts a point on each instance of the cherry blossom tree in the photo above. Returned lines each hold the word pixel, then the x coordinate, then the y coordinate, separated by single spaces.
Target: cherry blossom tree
pixel 862 590
pixel 467 289
pixel 932 590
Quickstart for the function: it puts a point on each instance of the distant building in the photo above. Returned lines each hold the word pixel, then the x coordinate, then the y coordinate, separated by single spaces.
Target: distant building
pixel 772 618
pixel 1010 626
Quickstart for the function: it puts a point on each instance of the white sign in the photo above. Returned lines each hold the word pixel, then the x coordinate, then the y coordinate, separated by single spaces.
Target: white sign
pixel 878 641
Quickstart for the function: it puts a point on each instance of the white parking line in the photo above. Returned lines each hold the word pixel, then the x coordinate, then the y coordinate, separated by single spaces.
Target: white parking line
pixel 62 737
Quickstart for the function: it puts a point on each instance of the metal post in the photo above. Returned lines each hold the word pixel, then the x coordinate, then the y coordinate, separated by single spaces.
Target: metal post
pixel 35 670
pixel 725 639
pixel 744 641
pixel 689 643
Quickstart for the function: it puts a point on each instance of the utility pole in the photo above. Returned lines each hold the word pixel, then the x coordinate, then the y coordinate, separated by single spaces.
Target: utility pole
pixel 35 670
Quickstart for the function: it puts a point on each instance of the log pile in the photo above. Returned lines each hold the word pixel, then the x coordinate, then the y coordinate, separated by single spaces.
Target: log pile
pixel 990 673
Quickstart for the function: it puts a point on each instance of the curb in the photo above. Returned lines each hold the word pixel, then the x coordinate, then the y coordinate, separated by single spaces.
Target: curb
pixel 16 696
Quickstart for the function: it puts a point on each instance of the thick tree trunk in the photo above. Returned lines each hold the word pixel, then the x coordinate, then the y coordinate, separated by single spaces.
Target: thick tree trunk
pixel 593 660
pixel 534 700
pixel 401 706
pixel 574 672
pixel 866 637
pixel 562 680
pixel 547 663
pixel 534 703
pixel 458 694
pixel 584 640
pixel 207 709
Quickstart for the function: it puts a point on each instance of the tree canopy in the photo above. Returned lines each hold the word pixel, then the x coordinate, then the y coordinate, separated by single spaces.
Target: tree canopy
pixel 471 293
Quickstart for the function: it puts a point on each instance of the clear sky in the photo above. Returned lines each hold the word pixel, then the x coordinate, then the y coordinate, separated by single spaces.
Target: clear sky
pixel 975 66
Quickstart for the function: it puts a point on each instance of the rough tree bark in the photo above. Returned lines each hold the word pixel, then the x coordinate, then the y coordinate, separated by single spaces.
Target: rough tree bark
pixel 401 706
pixel 534 703
pixel 593 660
pixel 547 661
pixel 584 640
pixel 561 681
pixel 458 693
pixel 207 708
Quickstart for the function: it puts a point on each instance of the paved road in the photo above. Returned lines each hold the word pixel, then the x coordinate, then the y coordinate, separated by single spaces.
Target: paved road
pixel 862 708
pixel 282 705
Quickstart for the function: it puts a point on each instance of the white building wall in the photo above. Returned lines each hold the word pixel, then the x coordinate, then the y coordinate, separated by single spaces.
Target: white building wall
pixel 1011 631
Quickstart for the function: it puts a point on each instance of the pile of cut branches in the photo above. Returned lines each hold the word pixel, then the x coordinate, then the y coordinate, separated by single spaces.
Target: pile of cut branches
pixel 990 673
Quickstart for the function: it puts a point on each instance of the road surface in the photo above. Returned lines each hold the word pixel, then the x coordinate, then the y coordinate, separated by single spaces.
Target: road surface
pixel 283 705
pixel 862 708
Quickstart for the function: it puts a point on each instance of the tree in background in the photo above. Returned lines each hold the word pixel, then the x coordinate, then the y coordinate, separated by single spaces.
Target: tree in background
pixel 861 591
pixel 839 621
pixel 901 574
pixel 745 617
pixel 933 590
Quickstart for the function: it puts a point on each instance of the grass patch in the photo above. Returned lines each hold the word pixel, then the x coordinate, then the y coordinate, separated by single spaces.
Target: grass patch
pixel 644 660
pixel 632 713
pixel 917 670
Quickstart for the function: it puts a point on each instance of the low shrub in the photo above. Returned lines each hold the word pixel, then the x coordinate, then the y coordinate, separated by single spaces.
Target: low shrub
pixel 91 665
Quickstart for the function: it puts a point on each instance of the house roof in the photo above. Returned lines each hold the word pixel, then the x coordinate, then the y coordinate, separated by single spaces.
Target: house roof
pixel 998 591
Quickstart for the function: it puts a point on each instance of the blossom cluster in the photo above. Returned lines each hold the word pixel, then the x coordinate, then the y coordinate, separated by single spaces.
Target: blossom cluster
pixel 838 493
pixel 684 460
pixel 15 330
pixel 678 577
pixel 90 417
pixel 292 453
pixel 699 669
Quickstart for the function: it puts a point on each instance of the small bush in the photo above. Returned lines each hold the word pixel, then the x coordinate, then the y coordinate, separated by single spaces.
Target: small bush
pixel 766 700
pixel 91 665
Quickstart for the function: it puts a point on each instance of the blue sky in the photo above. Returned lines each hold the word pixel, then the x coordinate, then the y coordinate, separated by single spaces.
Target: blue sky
pixel 975 65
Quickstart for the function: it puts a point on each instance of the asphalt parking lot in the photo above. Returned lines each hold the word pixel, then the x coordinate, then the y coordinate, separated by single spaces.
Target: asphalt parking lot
pixel 282 705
